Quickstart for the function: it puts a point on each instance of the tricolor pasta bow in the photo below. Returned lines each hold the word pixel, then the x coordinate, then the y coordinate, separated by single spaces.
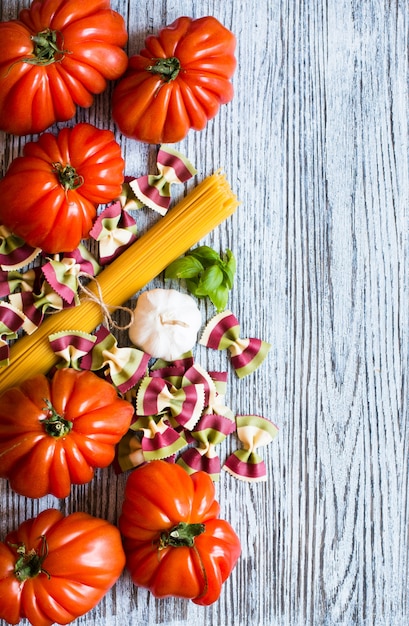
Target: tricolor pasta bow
pixel 154 191
pixel 15 253
pixel 210 431
pixel 115 230
pixel 184 403
pixel 124 367
pixel 223 333
pixel 253 432
pixel 11 320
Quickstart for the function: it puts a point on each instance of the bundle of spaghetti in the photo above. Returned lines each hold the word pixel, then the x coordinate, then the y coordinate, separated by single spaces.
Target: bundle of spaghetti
pixel 198 213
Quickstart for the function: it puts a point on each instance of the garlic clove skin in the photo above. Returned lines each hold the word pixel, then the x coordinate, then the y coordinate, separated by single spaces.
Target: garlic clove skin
pixel 165 323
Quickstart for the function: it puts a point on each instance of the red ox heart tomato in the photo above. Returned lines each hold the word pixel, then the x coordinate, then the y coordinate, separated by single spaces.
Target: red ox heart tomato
pixel 177 82
pixel 174 541
pixel 53 433
pixel 50 194
pixel 55 57
pixel 54 568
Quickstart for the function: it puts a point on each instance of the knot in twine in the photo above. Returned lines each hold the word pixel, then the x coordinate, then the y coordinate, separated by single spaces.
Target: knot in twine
pixel 106 309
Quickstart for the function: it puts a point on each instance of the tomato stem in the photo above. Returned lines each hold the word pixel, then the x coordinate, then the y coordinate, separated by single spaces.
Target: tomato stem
pixel 183 534
pixel 55 425
pixel 68 177
pixel 30 564
pixel 167 69
pixel 46 48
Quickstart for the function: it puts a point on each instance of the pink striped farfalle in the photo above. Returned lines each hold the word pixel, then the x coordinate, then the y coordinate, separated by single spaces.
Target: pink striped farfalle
pixel 70 347
pixel 124 367
pixel 154 191
pixel 115 230
pixel 15 253
pixel 159 439
pixel 11 320
pixel 185 361
pixel 154 439
pixel 63 272
pixel 223 333
pixel 210 431
pixel 13 280
pixel 128 453
pixel 185 403
pixel 214 384
pixel 35 305
pixel 253 431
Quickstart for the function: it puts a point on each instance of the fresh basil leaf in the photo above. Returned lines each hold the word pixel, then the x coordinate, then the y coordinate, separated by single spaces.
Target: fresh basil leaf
pixel 185 267
pixel 210 280
pixel 228 276
pixel 219 298
pixel 206 255
pixel 228 267
pixel 191 286
pixel 231 261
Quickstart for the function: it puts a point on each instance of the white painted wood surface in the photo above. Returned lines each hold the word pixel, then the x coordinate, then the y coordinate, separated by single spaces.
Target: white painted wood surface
pixel 315 144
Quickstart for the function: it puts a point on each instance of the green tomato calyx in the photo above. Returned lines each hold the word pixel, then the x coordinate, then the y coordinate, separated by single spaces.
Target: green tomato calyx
pixel 30 563
pixel 183 534
pixel 55 425
pixel 48 48
pixel 167 69
pixel 68 176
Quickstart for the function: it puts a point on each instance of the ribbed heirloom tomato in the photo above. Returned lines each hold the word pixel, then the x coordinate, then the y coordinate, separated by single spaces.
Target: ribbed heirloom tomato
pixel 54 432
pixel 55 56
pixel 54 569
pixel 177 82
pixel 50 194
pixel 174 542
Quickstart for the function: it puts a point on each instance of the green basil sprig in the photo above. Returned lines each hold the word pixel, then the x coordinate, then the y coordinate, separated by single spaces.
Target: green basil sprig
pixel 206 274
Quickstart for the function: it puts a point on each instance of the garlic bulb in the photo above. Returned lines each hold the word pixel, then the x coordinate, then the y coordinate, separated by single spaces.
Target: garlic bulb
pixel 165 323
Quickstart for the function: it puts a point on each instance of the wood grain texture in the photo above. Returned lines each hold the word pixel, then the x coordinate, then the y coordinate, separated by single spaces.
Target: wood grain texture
pixel 315 144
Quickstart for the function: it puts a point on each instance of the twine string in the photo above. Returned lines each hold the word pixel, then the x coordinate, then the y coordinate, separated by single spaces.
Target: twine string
pixel 105 308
